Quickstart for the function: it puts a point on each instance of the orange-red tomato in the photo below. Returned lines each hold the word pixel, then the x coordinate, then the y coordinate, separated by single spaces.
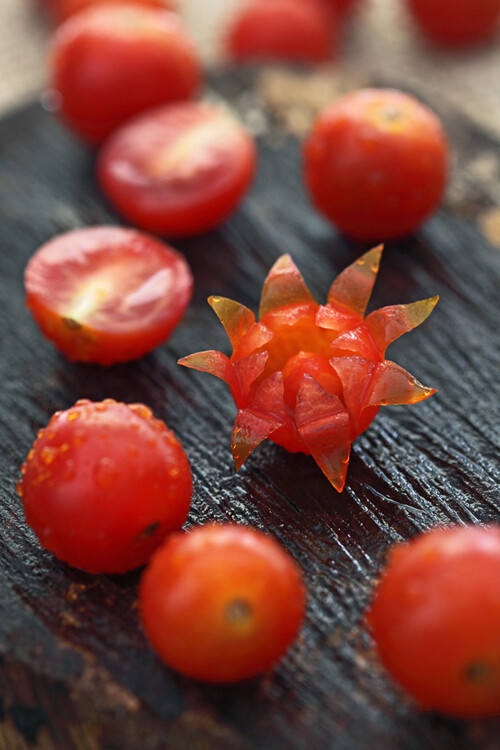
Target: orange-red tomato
pixel 299 30
pixel 456 22
pixel 107 294
pixel 436 619
pixel 376 163
pixel 110 62
pixel 178 170
pixel 61 10
pixel 221 603
pixel 103 485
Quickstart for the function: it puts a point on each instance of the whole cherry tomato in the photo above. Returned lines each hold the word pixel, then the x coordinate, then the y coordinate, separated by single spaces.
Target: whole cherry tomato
pixel 178 170
pixel 221 603
pixel 110 62
pixel 103 485
pixel 61 10
pixel 436 619
pixel 456 22
pixel 300 30
pixel 107 294
pixel 341 6
pixel 376 163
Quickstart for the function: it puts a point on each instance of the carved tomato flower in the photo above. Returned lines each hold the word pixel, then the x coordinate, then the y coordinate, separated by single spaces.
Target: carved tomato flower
pixel 311 377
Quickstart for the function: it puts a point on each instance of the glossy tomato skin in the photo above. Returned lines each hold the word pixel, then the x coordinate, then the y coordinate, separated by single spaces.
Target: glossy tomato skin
pixel 61 10
pixel 107 294
pixel 103 485
pixel 178 170
pixel 110 62
pixel 221 603
pixel 436 620
pixel 376 163
pixel 296 30
pixel 456 23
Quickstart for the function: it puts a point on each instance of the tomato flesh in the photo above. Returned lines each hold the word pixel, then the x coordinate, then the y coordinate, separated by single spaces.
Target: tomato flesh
pixel 61 10
pixel 110 62
pixel 376 163
pixel 299 30
pixel 436 619
pixel 107 294
pixel 103 485
pixel 178 170
pixel 456 22
pixel 221 603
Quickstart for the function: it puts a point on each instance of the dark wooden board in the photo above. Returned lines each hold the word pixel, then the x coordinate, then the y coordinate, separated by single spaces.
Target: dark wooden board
pixel 76 670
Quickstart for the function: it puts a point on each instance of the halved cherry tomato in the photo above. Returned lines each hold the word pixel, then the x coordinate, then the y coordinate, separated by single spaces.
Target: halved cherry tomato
pixel 300 30
pixel 178 170
pixel 436 619
pixel 103 485
pixel 456 22
pixel 221 603
pixel 107 294
pixel 110 62
pixel 376 163
pixel 61 10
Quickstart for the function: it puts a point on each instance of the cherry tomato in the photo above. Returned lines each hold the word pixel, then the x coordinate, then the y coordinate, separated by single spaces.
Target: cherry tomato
pixel 341 6
pixel 107 294
pixel 436 619
pixel 110 62
pixel 178 170
pixel 221 603
pixel 103 485
pixel 456 22
pixel 284 30
pixel 376 163
pixel 61 10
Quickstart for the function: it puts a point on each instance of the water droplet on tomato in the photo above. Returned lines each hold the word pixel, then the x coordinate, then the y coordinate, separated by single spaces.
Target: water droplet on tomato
pixel 105 473
pixel 19 489
pixel 40 433
pixel 47 455
pixel 72 415
pixel 69 470
pixel 174 472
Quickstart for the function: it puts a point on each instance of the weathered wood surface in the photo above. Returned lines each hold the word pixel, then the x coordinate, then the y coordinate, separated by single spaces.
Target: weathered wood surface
pixel 76 670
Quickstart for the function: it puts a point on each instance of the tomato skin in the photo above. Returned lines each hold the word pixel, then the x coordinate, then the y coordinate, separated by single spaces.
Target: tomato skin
pixel 297 30
pixel 107 294
pixel 61 10
pixel 376 163
pixel 221 603
pixel 103 485
pixel 108 63
pixel 178 170
pixel 436 619
pixel 456 23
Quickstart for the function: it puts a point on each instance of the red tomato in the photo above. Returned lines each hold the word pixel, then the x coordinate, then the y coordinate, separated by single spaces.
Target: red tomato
pixel 103 485
pixel 376 163
pixel 61 10
pixel 341 6
pixel 436 619
pixel 110 62
pixel 107 294
pixel 178 170
pixel 284 30
pixel 456 22
pixel 221 603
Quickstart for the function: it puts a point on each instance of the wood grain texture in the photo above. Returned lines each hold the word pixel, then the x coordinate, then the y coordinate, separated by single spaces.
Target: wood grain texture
pixel 76 670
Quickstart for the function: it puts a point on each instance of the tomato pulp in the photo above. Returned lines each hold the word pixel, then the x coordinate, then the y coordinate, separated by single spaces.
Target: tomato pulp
pixel 301 30
pixel 110 62
pixel 103 484
pixel 107 294
pixel 221 603
pixel 435 618
pixel 376 163
pixel 178 170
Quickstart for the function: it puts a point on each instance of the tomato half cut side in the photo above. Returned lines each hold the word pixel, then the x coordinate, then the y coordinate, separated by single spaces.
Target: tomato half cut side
pixel 178 170
pixel 110 62
pixel 221 603
pixel 107 294
pixel 103 484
